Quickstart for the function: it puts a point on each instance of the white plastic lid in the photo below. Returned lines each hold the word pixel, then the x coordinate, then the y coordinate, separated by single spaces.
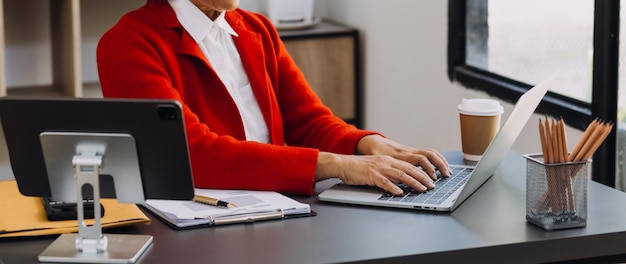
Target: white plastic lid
pixel 480 107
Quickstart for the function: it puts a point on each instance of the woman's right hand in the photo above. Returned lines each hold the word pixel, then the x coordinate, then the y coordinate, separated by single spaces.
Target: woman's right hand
pixel 373 170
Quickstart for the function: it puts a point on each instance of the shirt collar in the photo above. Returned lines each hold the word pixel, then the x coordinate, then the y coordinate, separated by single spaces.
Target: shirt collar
pixel 197 23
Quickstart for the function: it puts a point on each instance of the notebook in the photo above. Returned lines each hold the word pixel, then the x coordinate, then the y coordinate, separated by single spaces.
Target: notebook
pixel 251 206
pixel 465 179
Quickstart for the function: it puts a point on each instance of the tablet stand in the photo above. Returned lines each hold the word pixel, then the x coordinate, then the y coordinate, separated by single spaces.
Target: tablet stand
pixel 90 245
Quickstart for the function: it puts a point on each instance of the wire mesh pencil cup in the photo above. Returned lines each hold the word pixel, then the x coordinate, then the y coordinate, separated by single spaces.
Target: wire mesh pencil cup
pixel 556 193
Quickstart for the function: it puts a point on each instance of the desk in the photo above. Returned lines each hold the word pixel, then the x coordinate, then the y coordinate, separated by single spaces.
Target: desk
pixel 489 227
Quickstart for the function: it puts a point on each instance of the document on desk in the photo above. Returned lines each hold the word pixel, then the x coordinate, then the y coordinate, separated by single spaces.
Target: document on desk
pixel 251 206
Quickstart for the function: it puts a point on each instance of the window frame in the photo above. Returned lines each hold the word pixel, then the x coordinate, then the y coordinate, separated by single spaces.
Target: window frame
pixel 575 113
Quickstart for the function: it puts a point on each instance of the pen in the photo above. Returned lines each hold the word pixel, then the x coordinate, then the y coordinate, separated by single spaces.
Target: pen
pixel 212 201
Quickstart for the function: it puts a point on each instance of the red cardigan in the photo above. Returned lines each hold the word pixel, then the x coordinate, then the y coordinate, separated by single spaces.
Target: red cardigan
pixel 148 54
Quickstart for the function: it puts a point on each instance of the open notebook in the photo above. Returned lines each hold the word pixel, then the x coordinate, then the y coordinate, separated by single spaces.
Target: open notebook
pixel 252 206
pixel 450 192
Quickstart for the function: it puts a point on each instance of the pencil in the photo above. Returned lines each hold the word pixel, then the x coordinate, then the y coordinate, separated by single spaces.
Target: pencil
pixel 549 142
pixel 563 139
pixel 594 136
pixel 603 132
pixel 583 139
pixel 556 144
pixel 544 143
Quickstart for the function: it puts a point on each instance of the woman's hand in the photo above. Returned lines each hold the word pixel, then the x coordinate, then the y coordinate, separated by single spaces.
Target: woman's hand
pixel 429 159
pixel 383 164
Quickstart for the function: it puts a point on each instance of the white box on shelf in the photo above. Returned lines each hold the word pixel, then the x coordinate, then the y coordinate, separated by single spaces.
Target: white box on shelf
pixel 289 11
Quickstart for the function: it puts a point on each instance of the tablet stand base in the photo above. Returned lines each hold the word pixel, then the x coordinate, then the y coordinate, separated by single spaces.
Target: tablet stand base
pixel 121 249
pixel 90 245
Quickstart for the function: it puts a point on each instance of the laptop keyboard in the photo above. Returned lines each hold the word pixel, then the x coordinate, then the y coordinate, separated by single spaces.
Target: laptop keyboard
pixel 444 187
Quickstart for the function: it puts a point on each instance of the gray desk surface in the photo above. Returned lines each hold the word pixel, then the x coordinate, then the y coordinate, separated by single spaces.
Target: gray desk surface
pixel 489 227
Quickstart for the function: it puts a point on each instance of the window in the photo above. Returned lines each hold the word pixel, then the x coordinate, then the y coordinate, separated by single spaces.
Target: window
pixel 621 111
pixel 505 47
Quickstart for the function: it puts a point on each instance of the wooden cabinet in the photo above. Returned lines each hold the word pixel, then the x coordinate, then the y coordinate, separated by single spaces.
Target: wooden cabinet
pixel 328 56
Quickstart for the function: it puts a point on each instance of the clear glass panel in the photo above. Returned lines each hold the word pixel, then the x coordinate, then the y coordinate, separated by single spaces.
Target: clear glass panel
pixel 530 40
pixel 620 181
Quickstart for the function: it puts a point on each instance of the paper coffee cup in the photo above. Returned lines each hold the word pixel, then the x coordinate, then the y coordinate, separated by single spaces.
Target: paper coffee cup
pixel 480 122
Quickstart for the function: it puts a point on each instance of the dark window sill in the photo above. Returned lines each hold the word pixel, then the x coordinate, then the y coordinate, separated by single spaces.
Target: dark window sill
pixel 575 113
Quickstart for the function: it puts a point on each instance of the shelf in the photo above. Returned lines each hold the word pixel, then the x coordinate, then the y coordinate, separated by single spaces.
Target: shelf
pixel 49 47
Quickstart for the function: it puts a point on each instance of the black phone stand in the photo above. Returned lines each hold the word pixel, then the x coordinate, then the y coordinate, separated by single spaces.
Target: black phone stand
pixel 57 211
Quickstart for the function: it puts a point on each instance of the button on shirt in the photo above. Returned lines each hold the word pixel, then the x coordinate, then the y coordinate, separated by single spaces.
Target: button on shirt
pixel 215 39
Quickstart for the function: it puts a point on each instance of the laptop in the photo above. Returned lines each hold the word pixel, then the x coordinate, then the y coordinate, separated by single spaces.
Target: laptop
pixel 449 192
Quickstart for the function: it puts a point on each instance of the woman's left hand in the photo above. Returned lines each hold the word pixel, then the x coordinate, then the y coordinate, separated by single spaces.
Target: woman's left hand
pixel 429 159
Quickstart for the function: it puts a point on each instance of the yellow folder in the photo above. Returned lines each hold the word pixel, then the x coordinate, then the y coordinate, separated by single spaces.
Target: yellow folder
pixel 25 216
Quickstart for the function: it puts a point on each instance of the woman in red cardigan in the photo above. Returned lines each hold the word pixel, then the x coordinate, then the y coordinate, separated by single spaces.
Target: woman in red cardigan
pixel 252 120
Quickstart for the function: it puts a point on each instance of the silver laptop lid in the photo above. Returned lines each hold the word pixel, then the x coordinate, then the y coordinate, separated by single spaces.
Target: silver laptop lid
pixel 505 138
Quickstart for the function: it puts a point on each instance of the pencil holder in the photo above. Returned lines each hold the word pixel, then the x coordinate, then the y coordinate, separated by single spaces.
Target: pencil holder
pixel 556 193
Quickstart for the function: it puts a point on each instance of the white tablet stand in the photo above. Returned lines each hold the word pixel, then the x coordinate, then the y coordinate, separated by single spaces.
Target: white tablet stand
pixel 90 245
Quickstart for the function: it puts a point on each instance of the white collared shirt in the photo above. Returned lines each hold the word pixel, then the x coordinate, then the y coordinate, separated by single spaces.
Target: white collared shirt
pixel 215 39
